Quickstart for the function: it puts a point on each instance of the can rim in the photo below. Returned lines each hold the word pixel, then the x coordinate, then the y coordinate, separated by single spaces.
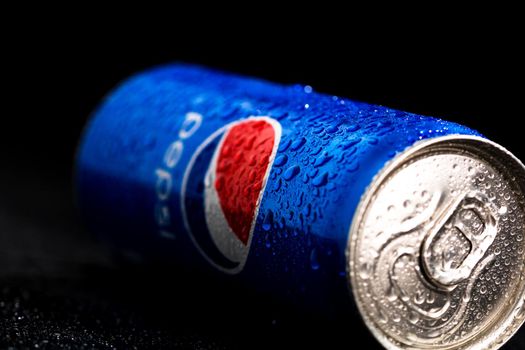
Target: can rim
pixel 503 160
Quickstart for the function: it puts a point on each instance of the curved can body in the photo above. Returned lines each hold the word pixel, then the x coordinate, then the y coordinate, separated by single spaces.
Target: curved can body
pixel 257 181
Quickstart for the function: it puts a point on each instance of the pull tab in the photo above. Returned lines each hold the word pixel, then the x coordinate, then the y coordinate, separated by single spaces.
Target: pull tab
pixel 458 240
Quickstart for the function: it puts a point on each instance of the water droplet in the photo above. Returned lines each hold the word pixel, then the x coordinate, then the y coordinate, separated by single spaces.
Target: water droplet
pixel 307 209
pixel 299 200
pixel 316 151
pixel 381 316
pixel 291 172
pixel 252 175
pixel 277 185
pixel 285 144
pixel 419 298
pixel 332 129
pixel 373 141
pixel 406 203
pixel 318 130
pixel 365 270
pixel 320 180
pixel 413 317
pixel 280 160
pixel 502 210
pixel 483 289
pixel 308 89
pixel 314 259
pixel 350 143
pixel 322 159
pixel 305 178
pixel 431 298
pixel 268 221
pixel 297 143
pixel 391 294
pixel 282 223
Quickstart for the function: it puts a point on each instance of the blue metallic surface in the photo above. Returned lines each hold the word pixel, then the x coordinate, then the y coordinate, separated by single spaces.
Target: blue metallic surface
pixel 329 152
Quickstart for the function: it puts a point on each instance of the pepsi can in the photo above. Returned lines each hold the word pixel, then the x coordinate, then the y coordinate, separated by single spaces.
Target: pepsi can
pixel 317 198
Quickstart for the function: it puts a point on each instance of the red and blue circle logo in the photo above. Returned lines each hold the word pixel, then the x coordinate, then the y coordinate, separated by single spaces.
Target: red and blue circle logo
pixel 223 187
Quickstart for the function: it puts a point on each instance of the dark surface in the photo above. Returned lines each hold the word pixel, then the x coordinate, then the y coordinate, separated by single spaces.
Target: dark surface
pixel 59 288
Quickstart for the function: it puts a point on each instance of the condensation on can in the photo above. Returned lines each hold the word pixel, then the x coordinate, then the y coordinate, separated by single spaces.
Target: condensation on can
pixel 259 181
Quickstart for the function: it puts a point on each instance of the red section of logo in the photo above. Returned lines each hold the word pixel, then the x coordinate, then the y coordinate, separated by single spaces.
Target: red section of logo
pixel 241 168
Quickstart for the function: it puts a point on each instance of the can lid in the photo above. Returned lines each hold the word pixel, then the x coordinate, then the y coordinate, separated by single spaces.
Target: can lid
pixel 436 250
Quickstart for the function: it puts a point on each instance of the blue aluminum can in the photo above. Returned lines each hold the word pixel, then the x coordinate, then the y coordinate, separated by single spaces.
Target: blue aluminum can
pixel 275 186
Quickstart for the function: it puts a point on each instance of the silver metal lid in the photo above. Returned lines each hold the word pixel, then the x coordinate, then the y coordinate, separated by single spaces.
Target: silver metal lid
pixel 436 250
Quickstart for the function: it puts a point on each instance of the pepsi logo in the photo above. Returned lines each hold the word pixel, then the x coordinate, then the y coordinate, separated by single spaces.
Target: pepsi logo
pixel 223 186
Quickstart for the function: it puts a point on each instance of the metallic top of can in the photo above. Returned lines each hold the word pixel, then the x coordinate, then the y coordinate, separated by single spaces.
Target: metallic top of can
pixel 436 250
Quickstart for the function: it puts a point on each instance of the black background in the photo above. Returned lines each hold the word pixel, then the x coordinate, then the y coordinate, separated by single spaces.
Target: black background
pixel 60 288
